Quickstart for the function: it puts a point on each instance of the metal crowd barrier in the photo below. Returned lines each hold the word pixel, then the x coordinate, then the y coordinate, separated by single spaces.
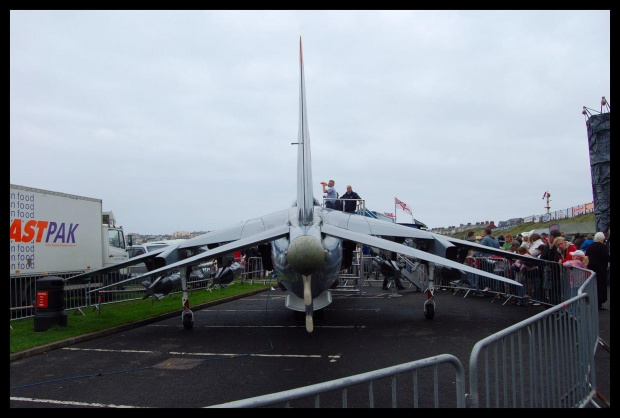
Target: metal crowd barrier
pixel 542 284
pixel 23 289
pixel 350 279
pixel 546 361
pixel 254 270
pixel 365 386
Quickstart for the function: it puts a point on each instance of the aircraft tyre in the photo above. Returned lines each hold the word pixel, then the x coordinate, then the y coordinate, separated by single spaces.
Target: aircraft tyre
pixel 429 311
pixel 188 320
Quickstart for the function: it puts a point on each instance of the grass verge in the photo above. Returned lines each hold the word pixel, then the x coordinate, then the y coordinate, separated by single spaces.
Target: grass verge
pixel 23 336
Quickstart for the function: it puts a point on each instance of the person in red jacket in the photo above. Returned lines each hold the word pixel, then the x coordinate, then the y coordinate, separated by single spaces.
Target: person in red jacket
pixel 565 249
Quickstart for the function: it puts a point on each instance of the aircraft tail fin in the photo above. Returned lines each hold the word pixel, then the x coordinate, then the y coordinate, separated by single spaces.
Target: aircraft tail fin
pixel 305 197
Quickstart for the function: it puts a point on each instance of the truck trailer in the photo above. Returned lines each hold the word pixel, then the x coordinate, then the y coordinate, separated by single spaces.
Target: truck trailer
pixel 58 234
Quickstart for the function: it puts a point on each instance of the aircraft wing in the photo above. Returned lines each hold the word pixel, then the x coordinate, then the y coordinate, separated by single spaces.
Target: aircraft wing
pixel 365 225
pixel 491 250
pixel 255 239
pixel 384 244
pixel 236 232
pixel 437 244
pixel 130 262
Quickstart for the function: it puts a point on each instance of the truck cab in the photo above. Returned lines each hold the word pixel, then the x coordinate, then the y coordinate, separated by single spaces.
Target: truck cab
pixel 114 246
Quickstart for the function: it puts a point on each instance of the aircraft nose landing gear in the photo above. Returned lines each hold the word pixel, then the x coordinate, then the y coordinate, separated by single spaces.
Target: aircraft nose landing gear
pixel 429 305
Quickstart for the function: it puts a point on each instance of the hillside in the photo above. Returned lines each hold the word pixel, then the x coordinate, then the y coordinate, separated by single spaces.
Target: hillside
pixel 515 230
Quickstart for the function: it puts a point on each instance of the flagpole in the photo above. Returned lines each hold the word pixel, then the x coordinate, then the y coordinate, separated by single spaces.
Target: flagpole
pixel 395 213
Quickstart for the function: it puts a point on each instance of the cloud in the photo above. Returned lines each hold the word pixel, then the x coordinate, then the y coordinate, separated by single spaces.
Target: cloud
pixel 183 120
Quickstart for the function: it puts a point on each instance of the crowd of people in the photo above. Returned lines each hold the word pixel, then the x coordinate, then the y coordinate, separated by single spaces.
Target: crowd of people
pixel 590 252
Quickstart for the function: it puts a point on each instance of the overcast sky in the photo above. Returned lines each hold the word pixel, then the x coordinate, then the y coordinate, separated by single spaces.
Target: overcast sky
pixel 183 120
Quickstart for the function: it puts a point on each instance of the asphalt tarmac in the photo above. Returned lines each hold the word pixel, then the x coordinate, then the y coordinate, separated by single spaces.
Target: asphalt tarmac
pixel 253 346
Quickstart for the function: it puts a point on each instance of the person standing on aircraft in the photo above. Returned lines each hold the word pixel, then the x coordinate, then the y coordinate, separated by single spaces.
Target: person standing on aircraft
pixel 330 194
pixel 350 203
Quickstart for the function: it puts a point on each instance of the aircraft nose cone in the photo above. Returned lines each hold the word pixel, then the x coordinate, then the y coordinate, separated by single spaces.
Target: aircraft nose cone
pixel 305 255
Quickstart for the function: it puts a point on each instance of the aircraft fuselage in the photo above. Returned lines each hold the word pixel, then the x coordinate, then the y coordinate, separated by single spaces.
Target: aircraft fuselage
pixel 307 252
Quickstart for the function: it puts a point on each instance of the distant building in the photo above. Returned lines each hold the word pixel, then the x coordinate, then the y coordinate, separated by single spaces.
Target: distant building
pixel 491 225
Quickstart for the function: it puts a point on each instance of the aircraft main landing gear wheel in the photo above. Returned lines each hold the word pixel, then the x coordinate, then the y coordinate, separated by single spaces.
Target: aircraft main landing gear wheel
pixel 429 310
pixel 188 319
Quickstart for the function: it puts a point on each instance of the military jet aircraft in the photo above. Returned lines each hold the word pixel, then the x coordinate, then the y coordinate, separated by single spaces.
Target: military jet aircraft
pixel 307 244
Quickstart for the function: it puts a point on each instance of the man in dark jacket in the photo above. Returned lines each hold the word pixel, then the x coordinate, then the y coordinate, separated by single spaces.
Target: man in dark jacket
pixel 349 200
pixel 598 256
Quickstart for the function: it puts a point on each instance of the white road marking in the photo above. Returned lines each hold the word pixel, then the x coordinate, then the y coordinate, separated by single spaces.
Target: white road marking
pixel 278 310
pixel 247 355
pixel 237 310
pixel 263 326
pixel 334 358
pixel 197 354
pixel 72 403
pixel 111 351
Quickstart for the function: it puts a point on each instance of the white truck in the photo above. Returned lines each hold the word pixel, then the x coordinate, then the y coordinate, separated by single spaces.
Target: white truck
pixel 58 234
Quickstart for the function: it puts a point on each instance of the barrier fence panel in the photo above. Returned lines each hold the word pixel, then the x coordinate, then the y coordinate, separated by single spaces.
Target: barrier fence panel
pixel 404 385
pixel 546 361
pixel 542 283
pixel 253 269
pixel 80 295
